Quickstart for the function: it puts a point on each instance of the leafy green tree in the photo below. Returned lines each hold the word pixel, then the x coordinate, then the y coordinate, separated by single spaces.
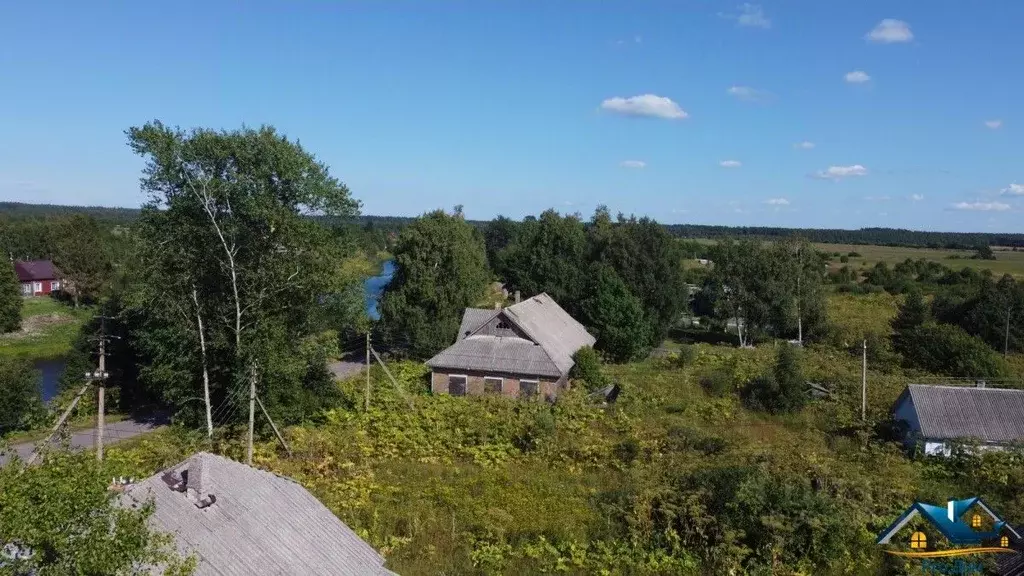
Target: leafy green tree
pixel 236 271
pixel 615 317
pixel 784 390
pixel 649 261
pixel 912 313
pixel 498 234
pixel 440 269
pixel 20 404
pixel 984 252
pixel 61 519
pixel 587 367
pixel 81 255
pixel 548 254
pixel 10 299
pixel 948 349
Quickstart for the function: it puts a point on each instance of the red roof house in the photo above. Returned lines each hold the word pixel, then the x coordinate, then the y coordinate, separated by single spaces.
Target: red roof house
pixel 37 277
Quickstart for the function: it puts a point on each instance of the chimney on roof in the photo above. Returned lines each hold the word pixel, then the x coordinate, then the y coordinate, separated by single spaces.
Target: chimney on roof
pixel 979 384
pixel 518 297
pixel 197 483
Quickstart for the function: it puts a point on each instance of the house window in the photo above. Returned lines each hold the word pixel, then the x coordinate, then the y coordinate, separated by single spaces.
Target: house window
pixel 37 287
pixel 55 285
pixel 457 385
pixel 492 385
pixel 26 289
pixel 502 325
pixel 1004 541
pixel 528 388
pixel 976 521
pixel 918 541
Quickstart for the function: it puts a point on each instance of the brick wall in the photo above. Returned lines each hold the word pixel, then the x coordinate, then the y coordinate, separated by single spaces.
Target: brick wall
pixel 548 387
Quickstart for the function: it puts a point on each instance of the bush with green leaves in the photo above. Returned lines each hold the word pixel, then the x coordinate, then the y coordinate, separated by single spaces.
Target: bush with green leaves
pixel 783 390
pixel 10 300
pixel 21 406
pixel 949 350
pixel 588 368
pixel 66 521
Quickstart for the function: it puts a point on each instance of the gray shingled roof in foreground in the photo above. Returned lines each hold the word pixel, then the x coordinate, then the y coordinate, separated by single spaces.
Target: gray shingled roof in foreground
pixel 551 326
pixel 989 414
pixel 260 524
pixel 497 354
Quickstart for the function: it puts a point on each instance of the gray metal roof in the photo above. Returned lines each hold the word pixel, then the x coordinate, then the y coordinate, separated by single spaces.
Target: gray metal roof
pixel 259 524
pixel 474 318
pixel 502 354
pixel 948 412
pixel 556 334
pixel 552 327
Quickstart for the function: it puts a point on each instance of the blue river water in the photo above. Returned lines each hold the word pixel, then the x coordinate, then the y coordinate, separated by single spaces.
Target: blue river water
pixel 374 287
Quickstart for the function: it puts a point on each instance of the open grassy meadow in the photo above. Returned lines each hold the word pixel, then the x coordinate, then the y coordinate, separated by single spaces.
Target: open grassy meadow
pixel 1006 262
pixel 48 330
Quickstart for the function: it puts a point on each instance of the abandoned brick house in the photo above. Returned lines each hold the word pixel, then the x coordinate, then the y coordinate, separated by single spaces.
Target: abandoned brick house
pixel 523 350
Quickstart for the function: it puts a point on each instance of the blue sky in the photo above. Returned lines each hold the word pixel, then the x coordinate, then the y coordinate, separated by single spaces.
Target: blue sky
pixel 809 113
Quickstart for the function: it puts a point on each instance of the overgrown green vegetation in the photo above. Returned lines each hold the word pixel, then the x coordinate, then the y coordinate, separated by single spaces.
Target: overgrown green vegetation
pixel 60 518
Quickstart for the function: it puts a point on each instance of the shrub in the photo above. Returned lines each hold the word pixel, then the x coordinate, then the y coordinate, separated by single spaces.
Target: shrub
pixel 718 383
pixel 783 390
pixel 587 368
pixel 21 407
pixel 682 358
pixel 844 258
pixel 948 349
pixel 10 300
pixel 853 254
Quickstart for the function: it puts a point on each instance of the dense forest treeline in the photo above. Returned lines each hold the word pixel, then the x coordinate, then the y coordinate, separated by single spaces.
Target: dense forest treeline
pixel 862 236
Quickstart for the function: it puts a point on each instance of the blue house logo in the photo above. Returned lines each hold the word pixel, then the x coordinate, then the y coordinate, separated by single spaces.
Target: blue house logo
pixel 961 528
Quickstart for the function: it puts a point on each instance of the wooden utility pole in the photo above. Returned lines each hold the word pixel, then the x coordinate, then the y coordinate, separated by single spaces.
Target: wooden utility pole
pixel 367 402
pixel 101 375
pixel 864 383
pixel 252 412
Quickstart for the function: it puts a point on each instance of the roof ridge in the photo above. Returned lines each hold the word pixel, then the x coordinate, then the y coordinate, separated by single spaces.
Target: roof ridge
pixel 965 387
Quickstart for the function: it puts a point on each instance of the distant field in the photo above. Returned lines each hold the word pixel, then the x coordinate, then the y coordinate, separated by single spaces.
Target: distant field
pixel 1006 262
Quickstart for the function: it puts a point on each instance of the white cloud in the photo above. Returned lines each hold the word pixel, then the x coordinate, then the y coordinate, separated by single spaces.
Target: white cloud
pixel 1013 190
pixel 752 16
pixel 917 197
pixel 837 172
pixel 645 105
pixel 730 164
pixel 747 93
pixel 633 164
pixel 890 31
pixel 857 77
pixel 981 206
pixel 777 202
pixel 805 145
pixel 994 124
